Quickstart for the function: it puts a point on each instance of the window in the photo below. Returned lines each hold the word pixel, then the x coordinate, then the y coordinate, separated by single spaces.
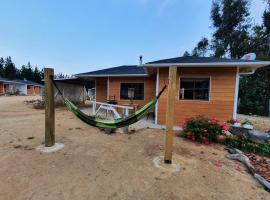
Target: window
pixel 194 88
pixel 138 90
pixel 28 87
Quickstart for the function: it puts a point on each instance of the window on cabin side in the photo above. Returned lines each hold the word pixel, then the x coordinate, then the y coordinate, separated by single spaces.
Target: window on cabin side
pixel 138 90
pixel 28 87
pixel 194 89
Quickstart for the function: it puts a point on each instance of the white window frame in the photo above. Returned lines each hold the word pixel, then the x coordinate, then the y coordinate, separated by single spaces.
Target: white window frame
pixel 195 100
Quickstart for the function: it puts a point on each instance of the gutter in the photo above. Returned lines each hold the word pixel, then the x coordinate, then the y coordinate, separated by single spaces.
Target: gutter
pixel 247 73
pixel 114 75
pixel 256 64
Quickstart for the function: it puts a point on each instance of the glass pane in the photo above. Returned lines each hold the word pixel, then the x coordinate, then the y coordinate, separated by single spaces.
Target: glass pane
pixel 187 83
pixel 202 83
pixel 138 90
pixel 194 88
pixel 186 94
pixel 202 94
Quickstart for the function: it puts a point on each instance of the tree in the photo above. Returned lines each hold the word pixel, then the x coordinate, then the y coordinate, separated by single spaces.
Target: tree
pixel 61 75
pixel 254 92
pixel 230 23
pixel 37 75
pixel 10 69
pixel 186 53
pixel 201 48
pixel 2 65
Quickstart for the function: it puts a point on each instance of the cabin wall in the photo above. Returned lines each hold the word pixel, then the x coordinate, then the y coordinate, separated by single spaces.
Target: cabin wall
pixel 37 89
pixel 114 89
pixel 30 89
pixel 1 88
pixel 101 89
pixel 220 104
pixel 75 93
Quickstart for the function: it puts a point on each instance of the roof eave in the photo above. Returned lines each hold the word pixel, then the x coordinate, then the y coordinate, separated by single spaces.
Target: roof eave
pixel 111 75
pixel 212 64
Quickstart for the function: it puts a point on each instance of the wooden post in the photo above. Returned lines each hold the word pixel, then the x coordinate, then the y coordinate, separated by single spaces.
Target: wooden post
pixel 49 108
pixel 170 114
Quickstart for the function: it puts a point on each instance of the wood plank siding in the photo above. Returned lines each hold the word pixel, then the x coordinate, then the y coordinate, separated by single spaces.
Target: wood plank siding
pixel 114 88
pixel 30 89
pixel 101 89
pixel 1 88
pixel 220 104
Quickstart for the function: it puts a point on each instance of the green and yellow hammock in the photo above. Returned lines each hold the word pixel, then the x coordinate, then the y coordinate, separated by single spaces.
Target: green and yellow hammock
pixel 111 124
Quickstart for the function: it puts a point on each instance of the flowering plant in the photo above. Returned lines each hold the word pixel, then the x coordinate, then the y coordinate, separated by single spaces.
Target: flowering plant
pixel 203 129
pixel 232 121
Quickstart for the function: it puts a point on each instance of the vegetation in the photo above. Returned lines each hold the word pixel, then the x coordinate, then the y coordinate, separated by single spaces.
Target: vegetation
pixel 8 70
pixel 246 145
pixel 233 36
pixel 206 130
pixel 203 129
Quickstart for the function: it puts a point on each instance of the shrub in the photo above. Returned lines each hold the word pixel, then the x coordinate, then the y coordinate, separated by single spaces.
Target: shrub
pixel 203 129
pixel 246 145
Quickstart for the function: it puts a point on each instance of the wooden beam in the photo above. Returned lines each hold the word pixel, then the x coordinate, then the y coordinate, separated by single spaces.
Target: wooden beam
pixel 49 108
pixel 170 114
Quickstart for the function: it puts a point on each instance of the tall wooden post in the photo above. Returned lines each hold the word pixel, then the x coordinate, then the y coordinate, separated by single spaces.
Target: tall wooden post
pixel 49 108
pixel 170 114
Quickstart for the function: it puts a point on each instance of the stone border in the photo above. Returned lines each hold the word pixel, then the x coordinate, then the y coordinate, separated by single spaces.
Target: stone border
pixel 236 154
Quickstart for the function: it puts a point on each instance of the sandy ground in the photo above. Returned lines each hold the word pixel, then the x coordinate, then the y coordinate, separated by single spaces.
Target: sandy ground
pixel 94 165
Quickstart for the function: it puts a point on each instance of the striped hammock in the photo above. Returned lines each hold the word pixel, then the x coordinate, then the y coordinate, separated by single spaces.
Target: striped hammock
pixel 112 124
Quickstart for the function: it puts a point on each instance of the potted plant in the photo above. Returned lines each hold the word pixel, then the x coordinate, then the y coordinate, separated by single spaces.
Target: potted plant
pixel 234 122
pixel 247 125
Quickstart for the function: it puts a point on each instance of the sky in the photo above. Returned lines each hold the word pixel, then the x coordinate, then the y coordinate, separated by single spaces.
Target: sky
pixel 80 36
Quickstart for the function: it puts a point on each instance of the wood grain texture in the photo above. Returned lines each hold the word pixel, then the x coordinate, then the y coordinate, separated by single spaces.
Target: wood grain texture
pixel 114 89
pixel 170 114
pixel 221 94
pixel 49 108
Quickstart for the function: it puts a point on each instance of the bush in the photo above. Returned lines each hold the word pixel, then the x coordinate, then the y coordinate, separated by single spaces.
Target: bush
pixel 203 129
pixel 246 145
pixel 206 130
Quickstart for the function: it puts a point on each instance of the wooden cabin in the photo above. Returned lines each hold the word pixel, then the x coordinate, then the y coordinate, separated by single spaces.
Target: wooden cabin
pixel 205 85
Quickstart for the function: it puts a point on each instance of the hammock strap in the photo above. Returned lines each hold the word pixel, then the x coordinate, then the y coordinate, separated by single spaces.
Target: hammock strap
pixel 57 88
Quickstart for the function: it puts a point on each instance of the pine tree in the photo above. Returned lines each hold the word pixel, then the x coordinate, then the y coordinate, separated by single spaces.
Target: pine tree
pixel 186 53
pixel 2 65
pixel 10 69
pixel 37 75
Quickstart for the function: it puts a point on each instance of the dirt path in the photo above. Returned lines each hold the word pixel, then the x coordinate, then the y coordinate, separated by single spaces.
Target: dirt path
pixel 97 166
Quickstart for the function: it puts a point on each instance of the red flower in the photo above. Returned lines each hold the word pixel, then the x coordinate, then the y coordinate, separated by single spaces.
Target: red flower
pixel 225 128
pixel 206 142
pixel 193 137
pixel 204 138
pixel 205 130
